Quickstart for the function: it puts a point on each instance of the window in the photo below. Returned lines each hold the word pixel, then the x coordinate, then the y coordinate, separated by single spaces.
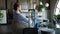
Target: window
pixel 58 8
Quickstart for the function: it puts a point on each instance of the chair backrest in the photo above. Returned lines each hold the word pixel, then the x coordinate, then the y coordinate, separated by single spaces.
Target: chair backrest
pixel 30 31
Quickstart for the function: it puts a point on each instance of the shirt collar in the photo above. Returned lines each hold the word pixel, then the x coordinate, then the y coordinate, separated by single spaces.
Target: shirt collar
pixel 18 11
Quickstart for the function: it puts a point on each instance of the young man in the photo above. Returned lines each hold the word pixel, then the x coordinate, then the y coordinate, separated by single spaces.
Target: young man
pixel 17 16
pixel 20 21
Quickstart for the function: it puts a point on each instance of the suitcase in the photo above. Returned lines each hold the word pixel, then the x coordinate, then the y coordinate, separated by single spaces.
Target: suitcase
pixel 30 31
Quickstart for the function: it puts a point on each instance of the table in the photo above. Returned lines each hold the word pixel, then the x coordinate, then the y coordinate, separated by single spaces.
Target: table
pixel 50 31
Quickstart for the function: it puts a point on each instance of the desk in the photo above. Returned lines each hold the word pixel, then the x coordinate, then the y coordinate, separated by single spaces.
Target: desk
pixel 50 31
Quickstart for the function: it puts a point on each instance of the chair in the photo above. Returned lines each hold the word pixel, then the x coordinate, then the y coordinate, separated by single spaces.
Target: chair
pixel 30 31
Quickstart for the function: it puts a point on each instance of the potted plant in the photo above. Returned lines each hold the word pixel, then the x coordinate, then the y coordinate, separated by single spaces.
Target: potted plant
pixel 58 16
pixel 39 7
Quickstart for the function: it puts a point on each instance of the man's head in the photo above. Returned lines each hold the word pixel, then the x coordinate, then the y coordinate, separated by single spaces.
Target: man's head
pixel 17 6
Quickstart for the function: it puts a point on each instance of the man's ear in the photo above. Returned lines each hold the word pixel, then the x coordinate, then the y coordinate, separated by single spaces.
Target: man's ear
pixel 17 7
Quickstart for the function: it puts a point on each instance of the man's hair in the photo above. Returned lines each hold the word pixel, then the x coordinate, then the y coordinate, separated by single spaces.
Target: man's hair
pixel 16 5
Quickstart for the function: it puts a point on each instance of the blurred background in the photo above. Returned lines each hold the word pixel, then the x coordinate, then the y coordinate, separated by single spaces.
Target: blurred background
pixel 42 14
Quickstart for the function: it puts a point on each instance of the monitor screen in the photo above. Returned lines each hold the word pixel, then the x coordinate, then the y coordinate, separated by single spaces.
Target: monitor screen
pixel 45 20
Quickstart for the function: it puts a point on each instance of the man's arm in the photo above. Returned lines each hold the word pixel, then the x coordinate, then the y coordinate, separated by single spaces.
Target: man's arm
pixel 22 18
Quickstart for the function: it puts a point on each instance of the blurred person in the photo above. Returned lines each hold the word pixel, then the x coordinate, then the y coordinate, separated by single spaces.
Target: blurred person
pixel 20 21
pixel 17 15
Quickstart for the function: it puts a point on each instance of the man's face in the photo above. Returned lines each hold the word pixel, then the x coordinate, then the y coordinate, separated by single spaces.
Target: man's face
pixel 19 8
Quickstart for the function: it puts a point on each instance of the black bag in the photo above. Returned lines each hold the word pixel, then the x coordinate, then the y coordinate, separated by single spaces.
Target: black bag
pixel 30 31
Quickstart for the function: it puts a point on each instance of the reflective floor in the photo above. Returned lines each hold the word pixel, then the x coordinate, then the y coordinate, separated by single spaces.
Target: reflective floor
pixel 5 29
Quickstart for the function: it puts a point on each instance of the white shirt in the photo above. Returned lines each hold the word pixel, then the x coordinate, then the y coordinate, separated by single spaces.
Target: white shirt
pixel 18 17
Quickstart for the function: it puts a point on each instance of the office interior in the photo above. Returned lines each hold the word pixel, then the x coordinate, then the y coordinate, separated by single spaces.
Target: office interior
pixel 43 15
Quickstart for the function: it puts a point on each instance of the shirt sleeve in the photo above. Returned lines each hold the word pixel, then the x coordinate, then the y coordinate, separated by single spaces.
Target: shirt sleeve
pixel 22 18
